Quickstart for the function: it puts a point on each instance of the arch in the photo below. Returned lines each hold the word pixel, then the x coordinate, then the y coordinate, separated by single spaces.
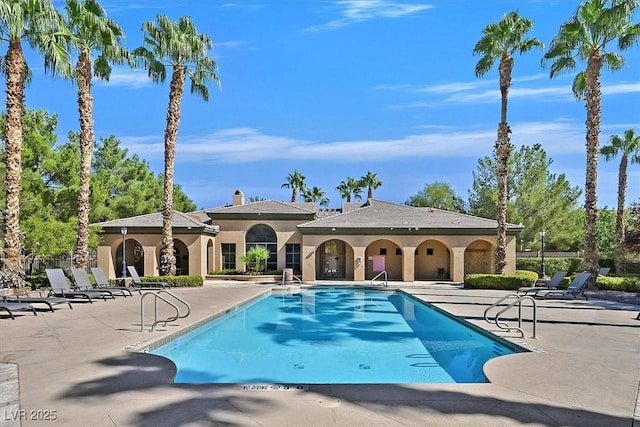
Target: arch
pixel 432 261
pixel 334 260
pixel 134 254
pixel 265 236
pixel 383 254
pixel 478 257
pixel 181 252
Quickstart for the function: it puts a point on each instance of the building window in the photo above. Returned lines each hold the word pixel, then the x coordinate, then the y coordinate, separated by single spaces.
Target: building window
pixel 429 251
pixel 265 236
pixel 383 251
pixel 228 251
pixel 292 257
pixel 398 251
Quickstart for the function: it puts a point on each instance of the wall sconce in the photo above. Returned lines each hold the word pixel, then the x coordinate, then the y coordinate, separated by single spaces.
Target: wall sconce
pixel 358 261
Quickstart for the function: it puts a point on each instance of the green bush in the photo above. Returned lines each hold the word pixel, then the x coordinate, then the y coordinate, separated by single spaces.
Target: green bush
pixel 227 272
pixel 37 281
pixel 176 281
pixel 625 283
pixel 551 265
pixel 500 281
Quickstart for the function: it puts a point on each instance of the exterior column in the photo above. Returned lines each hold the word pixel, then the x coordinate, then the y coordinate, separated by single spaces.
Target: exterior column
pixel 408 264
pixel 359 263
pixel 151 267
pixel 308 263
pixel 457 264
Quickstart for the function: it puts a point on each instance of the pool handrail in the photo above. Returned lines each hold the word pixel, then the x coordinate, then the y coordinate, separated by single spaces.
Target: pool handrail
pixel 157 296
pixel 382 273
pixel 518 300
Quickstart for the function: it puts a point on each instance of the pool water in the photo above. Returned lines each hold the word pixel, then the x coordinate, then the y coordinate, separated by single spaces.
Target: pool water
pixel 334 336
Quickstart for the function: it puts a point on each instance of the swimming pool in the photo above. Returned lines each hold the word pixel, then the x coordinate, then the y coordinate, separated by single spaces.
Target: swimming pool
pixel 334 336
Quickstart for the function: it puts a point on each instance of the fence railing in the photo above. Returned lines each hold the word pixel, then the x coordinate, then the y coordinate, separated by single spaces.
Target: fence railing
pixel 547 254
pixel 33 264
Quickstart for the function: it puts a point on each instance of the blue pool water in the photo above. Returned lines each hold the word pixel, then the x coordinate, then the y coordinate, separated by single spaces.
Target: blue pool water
pixel 333 336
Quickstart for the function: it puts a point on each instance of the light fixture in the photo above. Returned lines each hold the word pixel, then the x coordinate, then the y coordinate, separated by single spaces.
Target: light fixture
pixel 123 231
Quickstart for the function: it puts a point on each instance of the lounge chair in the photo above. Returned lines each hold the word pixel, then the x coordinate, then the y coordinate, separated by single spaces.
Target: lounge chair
pixel 103 282
pixel 138 282
pixel 10 307
pixel 83 283
pixel 60 287
pixel 48 301
pixel 552 284
pixel 576 287
pixel 604 271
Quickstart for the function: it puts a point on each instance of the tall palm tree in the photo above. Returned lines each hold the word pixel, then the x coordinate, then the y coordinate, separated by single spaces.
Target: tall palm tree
pixel 178 46
pixel 296 182
pixel 371 181
pixel 36 22
pixel 585 37
pixel 350 187
pixel 629 150
pixel 315 195
pixel 89 30
pixel 498 43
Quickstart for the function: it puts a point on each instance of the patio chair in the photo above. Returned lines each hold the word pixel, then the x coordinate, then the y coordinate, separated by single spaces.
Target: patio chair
pixel 552 284
pixel 83 283
pixel 60 287
pixel 576 287
pixel 604 271
pixel 48 301
pixel 10 307
pixel 103 282
pixel 146 284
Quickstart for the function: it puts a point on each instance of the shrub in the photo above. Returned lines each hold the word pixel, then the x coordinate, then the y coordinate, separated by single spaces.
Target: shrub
pixel 499 281
pixel 176 281
pixel 551 265
pixel 625 283
pixel 227 272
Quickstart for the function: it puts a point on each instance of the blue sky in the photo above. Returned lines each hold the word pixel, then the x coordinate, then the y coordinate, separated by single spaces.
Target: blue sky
pixel 338 88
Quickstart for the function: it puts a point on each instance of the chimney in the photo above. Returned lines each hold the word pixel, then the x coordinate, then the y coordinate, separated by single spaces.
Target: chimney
pixel 238 198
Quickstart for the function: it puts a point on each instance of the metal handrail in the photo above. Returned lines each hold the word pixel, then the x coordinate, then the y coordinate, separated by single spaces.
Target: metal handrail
pixel 294 276
pixel 504 325
pixel 155 319
pixel 381 274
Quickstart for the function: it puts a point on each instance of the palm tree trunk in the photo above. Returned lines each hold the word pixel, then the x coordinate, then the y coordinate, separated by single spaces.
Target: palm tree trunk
pixel 167 259
pixel 618 256
pixel 85 110
pixel 503 152
pixel 593 98
pixel 13 269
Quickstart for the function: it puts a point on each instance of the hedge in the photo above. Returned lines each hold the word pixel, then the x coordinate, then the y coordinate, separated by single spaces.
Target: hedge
pixel 624 283
pixel 551 265
pixel 500 281
pixel 176 281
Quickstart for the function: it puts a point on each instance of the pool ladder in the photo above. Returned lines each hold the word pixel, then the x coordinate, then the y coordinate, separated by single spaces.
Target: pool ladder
pixel 157 296
pixel 384 274
pixel 518 299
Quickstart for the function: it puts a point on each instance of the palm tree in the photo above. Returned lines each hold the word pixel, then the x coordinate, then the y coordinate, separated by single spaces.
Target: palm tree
pixel 350 187
pixel 36 22
pixel 586 37
pixel 498 43
pixel 296 182
pixel 315 195
pixel 629 150
pixel 178 46
pixel 88 29
pixel 371 181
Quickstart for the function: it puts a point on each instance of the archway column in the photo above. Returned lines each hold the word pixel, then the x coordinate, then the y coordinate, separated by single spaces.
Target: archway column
pixel 151 267
pixel 359 263
pixel 408 264
pixel 457 263
pixel 308 263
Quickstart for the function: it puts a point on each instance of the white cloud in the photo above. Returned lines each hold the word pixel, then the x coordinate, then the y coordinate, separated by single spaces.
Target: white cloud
pixel 365 10
pixel 243 145
pixel 125 77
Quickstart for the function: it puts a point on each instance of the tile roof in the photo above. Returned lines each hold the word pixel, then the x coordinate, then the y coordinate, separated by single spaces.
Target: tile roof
pixel 267 207
pixel 376 214
pixel 154 220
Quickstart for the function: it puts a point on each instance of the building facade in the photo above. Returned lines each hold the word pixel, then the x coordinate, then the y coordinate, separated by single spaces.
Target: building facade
pixel 357 242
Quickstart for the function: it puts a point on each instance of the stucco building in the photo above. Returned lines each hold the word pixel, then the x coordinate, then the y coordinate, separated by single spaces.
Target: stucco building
pixel 354 243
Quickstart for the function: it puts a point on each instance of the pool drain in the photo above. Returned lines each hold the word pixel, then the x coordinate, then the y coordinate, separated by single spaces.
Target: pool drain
pixel 330 403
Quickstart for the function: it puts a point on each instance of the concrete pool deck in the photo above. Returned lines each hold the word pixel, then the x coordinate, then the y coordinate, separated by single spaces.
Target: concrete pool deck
pixel 75 365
